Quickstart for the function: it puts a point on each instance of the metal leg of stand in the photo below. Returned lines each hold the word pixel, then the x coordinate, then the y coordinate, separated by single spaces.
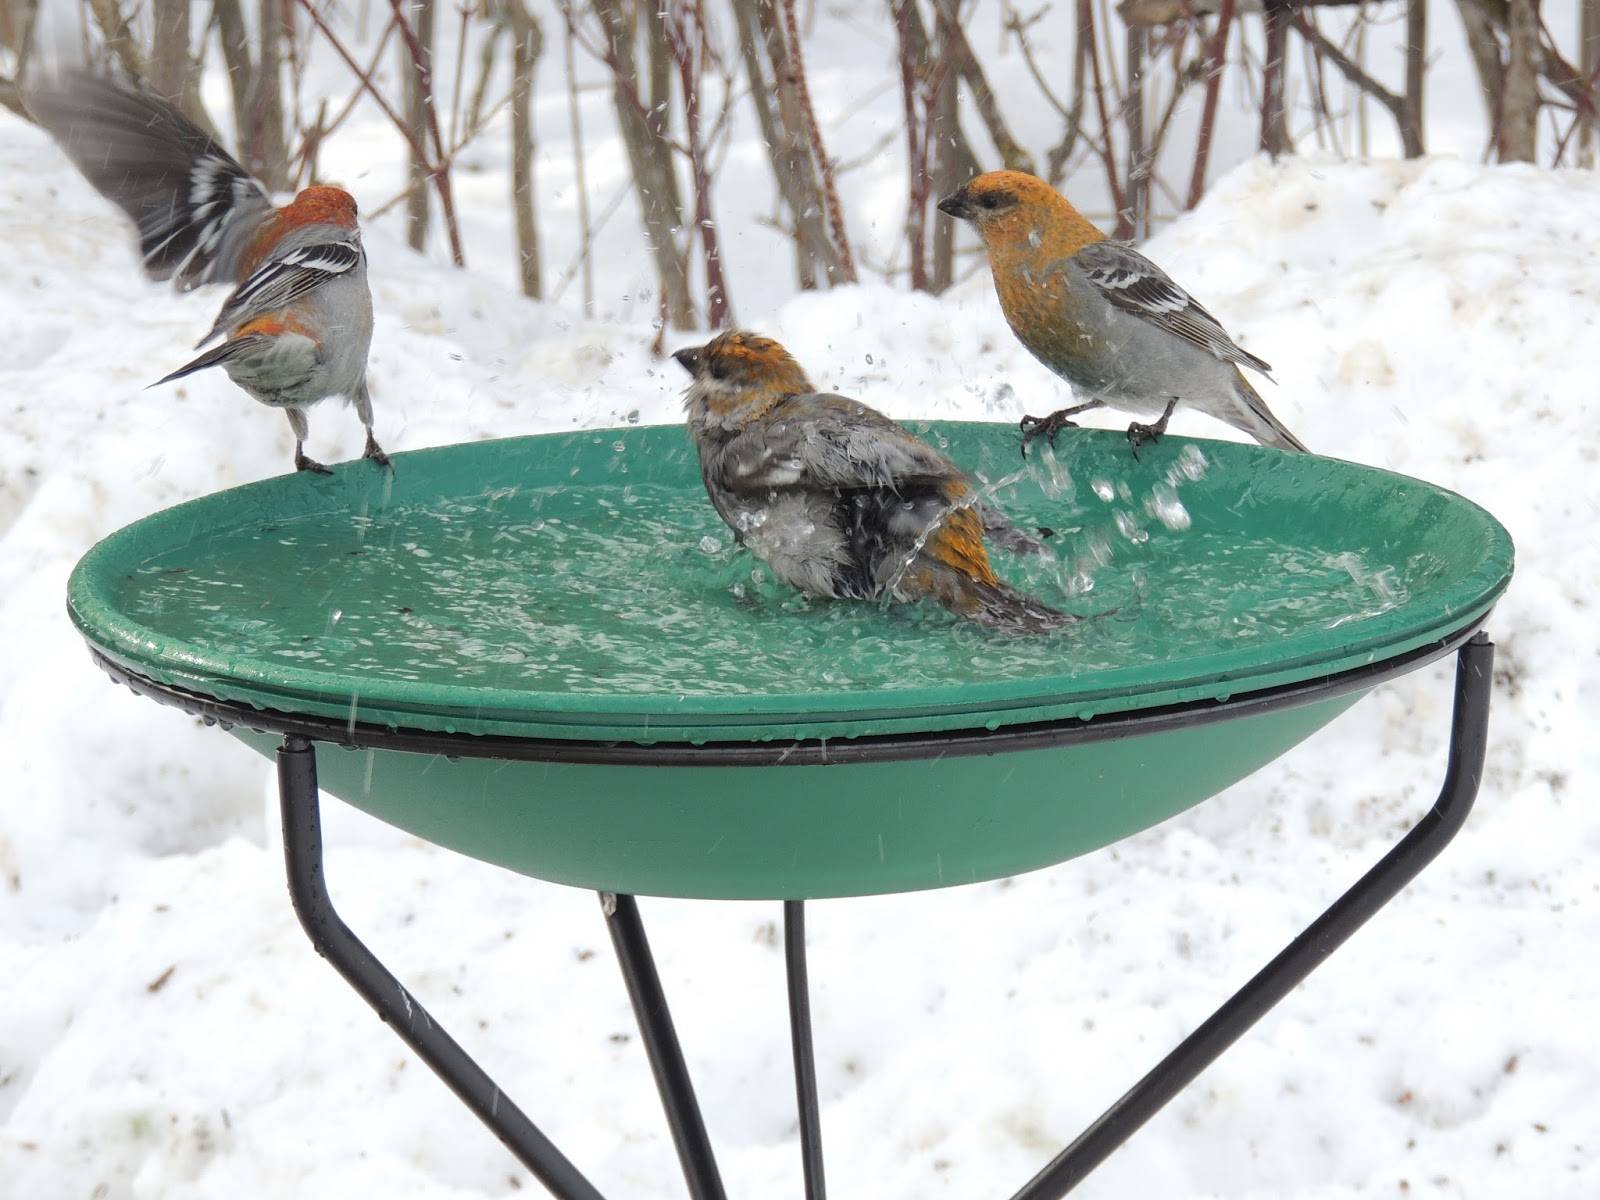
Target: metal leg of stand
pixel 805 1067
pixel 661 1044
pixel 302 851
pixel 1468 741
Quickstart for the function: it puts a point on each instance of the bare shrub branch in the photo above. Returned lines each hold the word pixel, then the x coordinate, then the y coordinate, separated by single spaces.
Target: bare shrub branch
pixel 830 191
pixel 527 45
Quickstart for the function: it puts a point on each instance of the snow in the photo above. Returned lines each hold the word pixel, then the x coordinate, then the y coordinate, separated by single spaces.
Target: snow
pixel 166 1029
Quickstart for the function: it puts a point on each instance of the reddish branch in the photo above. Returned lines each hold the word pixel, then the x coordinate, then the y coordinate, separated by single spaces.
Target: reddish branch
pixel 685 36
pixel 438 166
pixel 1216 57
pixel 363 75
pixel 916 149
pixel 1118 201
pixel 830 191
pixel 440 171
pixel 350 104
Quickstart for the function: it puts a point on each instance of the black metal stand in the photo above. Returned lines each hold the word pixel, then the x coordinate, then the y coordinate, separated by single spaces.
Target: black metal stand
pixel 805 1066
pixel 302 839
pixel 1469 738
pixel 661 1044
pixel 400 1010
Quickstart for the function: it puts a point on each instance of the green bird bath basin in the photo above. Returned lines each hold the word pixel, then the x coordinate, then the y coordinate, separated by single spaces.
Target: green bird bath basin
pixel 547 652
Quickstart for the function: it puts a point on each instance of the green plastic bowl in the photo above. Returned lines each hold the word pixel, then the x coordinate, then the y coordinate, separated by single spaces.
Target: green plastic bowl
pixel 547 653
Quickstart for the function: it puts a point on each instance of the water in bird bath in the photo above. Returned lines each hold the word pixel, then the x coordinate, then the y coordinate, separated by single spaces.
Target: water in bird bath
pixel 637 588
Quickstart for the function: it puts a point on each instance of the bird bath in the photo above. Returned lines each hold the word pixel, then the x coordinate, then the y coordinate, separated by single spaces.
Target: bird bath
pixel 545 652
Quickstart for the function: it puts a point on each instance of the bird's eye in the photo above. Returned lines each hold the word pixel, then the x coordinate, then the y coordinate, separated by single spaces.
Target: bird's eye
pixel 989 201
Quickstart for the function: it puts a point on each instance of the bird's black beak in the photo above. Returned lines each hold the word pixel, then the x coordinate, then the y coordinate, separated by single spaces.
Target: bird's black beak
pixel 955 205
pixel 689 358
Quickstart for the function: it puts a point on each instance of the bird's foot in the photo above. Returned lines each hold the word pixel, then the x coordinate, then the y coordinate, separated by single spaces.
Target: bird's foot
pixel 1045 427
pixel 1140 433
pixel 302 463
pixel 376 454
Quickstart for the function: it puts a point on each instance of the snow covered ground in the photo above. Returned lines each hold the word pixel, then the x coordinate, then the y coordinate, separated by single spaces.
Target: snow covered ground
pixel 166 1030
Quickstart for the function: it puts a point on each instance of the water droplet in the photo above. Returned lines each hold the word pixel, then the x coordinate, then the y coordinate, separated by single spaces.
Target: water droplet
pixel 1163 504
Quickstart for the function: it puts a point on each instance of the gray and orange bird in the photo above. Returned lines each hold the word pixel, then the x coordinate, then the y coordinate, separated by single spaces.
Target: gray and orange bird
pixel 298 325
pixel 837 499
pixel 1105 318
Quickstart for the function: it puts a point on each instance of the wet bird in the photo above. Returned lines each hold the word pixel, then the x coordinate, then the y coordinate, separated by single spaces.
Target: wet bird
pixel 298 325
pixel 1105 318
pixel 839 500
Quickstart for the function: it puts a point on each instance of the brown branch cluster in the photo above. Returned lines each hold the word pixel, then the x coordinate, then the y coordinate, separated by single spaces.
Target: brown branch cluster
pixel 681 70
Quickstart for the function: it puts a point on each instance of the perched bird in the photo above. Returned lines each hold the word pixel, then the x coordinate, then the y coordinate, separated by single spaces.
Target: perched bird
pixel 1105 318
pixel 299 322
pixel 839 500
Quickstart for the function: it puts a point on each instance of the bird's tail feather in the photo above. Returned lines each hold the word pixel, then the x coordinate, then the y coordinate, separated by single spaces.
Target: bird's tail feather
pixel 1004 608
pixel 999 606
pixel 953 567
pixel 1262 425
pixel 216 356
pixel 1008 535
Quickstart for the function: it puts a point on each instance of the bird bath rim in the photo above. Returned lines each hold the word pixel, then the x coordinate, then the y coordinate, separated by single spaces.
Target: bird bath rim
pixel 1353 682
pixel 1263 484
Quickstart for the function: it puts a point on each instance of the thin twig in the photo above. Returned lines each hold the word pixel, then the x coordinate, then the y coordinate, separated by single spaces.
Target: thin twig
pixel 585 259
pixel 1108 159
pixel 582 258
pixel 686 45
pixel 119 38
pixel 1351 70
pixel 364 76
pixel 377 55
pixel 830 190
pixel 916 145
pixel 1012 154
pixel 461 72
pixel 439 169
pixel 1216 59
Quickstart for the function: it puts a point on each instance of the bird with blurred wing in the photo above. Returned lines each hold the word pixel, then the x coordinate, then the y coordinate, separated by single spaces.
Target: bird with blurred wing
pixel 298 325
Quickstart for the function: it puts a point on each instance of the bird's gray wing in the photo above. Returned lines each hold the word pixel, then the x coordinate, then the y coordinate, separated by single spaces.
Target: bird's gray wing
pixel 286 276
pixel 819 441
pixel 1133 283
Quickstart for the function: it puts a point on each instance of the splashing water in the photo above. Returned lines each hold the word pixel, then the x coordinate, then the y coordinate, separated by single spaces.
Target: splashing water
pixel 985 494
pixel 1094 544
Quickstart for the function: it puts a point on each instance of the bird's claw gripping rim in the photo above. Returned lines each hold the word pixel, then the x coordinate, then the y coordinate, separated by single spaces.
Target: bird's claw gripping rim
pixel 376 454
pixel 1045 427
pixel 1140 433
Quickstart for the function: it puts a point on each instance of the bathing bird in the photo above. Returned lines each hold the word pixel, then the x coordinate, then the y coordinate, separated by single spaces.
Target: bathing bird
pixel 839 500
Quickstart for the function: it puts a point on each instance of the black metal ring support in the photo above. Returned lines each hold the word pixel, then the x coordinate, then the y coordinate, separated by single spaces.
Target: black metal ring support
pixel 661 1045
pixel 889 747
pixel 302 837
pixel 1469 735
pixel 400 1010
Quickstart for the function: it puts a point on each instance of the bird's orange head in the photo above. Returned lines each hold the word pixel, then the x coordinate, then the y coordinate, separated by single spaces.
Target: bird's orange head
pixel 1008 208
pixel 740 374
pixel 321 206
